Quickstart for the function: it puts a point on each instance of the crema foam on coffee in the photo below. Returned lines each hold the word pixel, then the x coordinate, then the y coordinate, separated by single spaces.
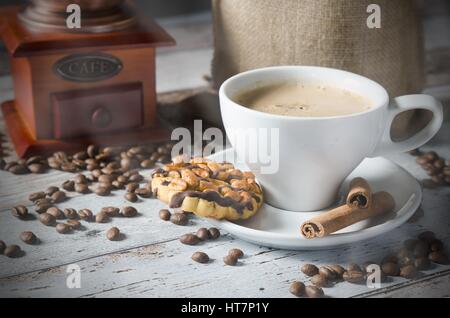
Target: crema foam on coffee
pixel 303 100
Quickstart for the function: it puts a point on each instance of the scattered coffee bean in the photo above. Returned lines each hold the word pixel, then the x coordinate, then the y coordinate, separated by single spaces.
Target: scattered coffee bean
pixel 71 213
pixel 421 249
pixel 309 270
pixel 82 188
pixel 203 234
pixel 74 224
pixel 131 187
pixel 36 196
pixel 136 178
pixel 354 267
pixel 111 211
pixel 319 280
pixel 438 257
pixel 189 239
pixel 314 292
pixel 2 246
pixel 436 245
pixel 58 196
pixel 101 217
pixel 113 234
pixel 214 233
pixel 230 260
pixel 42 207
pixel 143 192
pixel 390 269
pixel 405 257
pixel 409 271
pixel 235 252
pixel 200 257
pixel 104 178
pixel 63 228
pixel 297 289
pixel 338 269
pixel 20 212
pixel 102 191
pixel 28 237
pixel 36 168
pixel 179 219
pixel 57 213
pixel 328 273
pixel 129 212
pixel 164 214
pixel 18 169
pixel 51 190
pixel 353 276
pixel 68 185
pixel 12 251
pixel 92 151
pixel 422 263
pixel 47 219
pixel 118 185
pixel 85 215
pixel 131 196
pixel 426 236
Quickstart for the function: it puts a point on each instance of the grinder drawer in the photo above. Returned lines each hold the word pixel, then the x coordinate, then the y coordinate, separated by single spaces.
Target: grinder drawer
pixel 97 110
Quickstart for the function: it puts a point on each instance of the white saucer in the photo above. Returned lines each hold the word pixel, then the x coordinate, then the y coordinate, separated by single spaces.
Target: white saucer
pixel 278 228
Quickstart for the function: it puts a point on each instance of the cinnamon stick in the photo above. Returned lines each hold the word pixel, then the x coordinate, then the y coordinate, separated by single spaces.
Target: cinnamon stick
pixel 345 215
pixel 360 193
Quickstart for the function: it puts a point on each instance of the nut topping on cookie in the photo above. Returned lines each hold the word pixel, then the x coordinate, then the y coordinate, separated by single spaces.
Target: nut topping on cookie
pixel 208 188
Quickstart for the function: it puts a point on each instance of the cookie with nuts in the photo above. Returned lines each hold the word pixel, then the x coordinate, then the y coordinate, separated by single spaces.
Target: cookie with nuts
pixel 208 189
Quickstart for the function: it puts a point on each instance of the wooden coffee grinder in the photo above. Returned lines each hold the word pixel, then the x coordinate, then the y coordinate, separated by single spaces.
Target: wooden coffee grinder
pixel 73 87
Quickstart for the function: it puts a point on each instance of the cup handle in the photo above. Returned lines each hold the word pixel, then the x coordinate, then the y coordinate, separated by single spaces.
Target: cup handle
pixel 404 103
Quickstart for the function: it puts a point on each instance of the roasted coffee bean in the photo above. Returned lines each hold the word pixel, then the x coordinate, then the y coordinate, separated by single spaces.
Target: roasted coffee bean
pixel 35 159
pixel 54 163
pixel 439 164
pixel 390 259
pixel 69 167
pixel 235 252
pixel 309 270
pixel 314 292
pixel 436 245
pixel 42 207
pixel 136 178
pixel 82 188
pixel 20 212
pixel 422 263
pixel 68 185
pixel 409 271
pixel 438 257
pixel 9 165
pixel 146 164
pixel 63 228
pixel 74 224
pixel 113 234
pixel 203 234
pixel 101 217
pixel 319 280
pixel 131 197
pixel 179 219
pixel 57 213
pixel 214 233
pixel 297 289
pixel 200 257
pixel 131 187
pixel 421 249
pixel 85 214
pixel 338 269
pixel 143 192
pixel 43 201
pixel 354 267
pixel 96 173
pixel 28 237
pixel 328 273
pixel 51 190
pixel 111 211
pixel 410 244
pixel 426 236
pixel 36 196
pixel 47 219
pixel 230 260
pixel 80 178
pixel 102 191
pixel 189 239
pixel 36 168
pixel 129 163
pixel 165 214
pixel 2 246
pixel 118 185
pixel 58 196
pixel 12 251
pixel 104 178
pixel 405 257
pixel 122 179
pixel 129 212
pixel 19 169
pixel 82 155
pixel 92 151
pixel 390 269
pixel 71 213
pixel 353 277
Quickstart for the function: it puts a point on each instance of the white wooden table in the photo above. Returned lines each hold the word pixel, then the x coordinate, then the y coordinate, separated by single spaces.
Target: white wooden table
pixel 151 262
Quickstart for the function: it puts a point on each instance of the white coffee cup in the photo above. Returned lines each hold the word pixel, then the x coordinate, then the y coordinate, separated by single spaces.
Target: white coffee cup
pixel 317 153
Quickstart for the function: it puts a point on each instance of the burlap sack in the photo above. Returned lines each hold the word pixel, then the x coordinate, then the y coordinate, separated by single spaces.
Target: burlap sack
pixel 257 33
